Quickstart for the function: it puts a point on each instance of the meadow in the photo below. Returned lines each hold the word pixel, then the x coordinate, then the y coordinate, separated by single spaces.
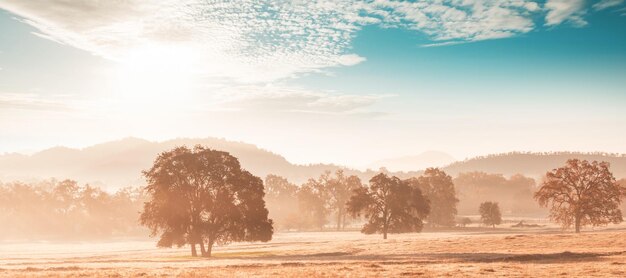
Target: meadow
pixel 469 252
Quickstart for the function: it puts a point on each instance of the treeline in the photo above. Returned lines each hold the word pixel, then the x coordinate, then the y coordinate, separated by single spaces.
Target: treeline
pixel 515 193
pixel 59 210
pixel 569 154
pixel 66 210
pixel 324 201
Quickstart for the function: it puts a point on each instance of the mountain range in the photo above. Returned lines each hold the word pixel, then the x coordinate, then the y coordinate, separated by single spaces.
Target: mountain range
pixel 119 163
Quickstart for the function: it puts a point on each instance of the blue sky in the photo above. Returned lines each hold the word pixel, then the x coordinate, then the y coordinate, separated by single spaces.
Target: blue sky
pixel 347 82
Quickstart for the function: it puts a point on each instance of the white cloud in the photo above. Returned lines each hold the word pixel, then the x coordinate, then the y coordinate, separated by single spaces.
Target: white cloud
pixel 10 101
pixel 565 10
pixel 605 4
pixel 279 98
pixel 265 41
pixel 244 41
pixel 261 41
pixel 462 20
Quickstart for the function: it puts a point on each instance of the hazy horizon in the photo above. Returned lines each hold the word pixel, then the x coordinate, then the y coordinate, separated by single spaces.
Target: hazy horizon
pixel 345 82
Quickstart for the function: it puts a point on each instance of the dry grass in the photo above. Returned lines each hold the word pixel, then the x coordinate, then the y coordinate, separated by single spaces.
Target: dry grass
pixel 334 254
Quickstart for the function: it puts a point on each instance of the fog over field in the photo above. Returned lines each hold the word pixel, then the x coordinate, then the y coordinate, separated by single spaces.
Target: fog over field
pixel 322 138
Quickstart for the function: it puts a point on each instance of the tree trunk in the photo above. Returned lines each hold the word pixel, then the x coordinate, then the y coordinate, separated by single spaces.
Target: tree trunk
pixel 385 231
pixel 209 248
pixel 202 249
pixel 194 253
pixel 577 224
pixel 338 219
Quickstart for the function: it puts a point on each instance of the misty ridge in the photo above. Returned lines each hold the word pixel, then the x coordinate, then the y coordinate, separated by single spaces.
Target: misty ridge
pixel 98 192
pixel 117 164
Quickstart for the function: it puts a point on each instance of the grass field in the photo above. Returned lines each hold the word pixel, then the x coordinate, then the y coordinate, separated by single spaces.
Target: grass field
pixel 473 253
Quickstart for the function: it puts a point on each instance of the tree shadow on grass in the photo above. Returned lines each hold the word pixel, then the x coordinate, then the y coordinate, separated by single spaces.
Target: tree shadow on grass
pixel 430 258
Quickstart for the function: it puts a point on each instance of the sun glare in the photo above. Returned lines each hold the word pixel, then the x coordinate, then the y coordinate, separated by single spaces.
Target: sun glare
pixel 156 75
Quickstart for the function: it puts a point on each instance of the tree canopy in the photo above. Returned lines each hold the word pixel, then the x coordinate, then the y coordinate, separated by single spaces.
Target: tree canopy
pixel 438 188
pixel 581 193
pixel 390 205
pixel 201 197
pixel 490 214
pixel 336 191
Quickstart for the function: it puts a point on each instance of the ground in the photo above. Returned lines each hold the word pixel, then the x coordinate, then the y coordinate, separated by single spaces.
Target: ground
pixel 471 253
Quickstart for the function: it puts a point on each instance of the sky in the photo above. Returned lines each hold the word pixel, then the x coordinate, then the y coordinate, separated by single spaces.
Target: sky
pixel 346 82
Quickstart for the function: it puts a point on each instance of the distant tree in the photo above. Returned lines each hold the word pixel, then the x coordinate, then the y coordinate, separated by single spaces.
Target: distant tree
pixel 202 196
pixel 464 221
pixel 515 194
pixel 66 210
pixel 581 193
pixel 390 205
pixel 281 198
pixel 438 188
pixel 336 191
pixel 311 206
pixel 622 183
pixel 490 214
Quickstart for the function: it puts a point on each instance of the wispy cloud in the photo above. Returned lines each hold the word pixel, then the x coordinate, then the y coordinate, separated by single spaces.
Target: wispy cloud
pixel 245 41
pixel 250 41
pixel 277 98
pixel 565 10
pixel 10 101
pixel 467 20
pixel 605 4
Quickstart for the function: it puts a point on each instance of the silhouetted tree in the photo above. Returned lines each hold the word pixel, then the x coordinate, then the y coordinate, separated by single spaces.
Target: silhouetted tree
pixel 490 214
pixel 390 206
pixel 438 188
pixel 581 193
pixel 202 196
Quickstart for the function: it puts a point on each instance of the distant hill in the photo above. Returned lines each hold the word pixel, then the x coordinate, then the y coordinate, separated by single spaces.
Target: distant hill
pixel 414 162
pixel 533 164
pixel 119 163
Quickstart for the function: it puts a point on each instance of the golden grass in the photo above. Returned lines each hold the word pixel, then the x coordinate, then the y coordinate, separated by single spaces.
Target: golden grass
pixel 350 254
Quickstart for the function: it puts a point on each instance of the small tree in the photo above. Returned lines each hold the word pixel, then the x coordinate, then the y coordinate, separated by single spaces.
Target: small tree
pixel 390 205
pixel 581 193
pixel 202 196
pixel 490 214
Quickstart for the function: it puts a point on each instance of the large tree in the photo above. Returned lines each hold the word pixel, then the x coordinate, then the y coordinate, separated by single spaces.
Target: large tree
pixel 490 214
pixel 201 197
pixel 581 193
pixel 390 205
pixel 438 188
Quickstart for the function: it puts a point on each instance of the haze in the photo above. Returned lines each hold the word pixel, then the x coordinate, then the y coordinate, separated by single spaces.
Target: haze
pixel 321 138
pixel 307 79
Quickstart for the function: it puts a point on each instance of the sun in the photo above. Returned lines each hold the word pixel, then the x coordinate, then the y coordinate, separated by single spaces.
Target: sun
pixel 156 75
